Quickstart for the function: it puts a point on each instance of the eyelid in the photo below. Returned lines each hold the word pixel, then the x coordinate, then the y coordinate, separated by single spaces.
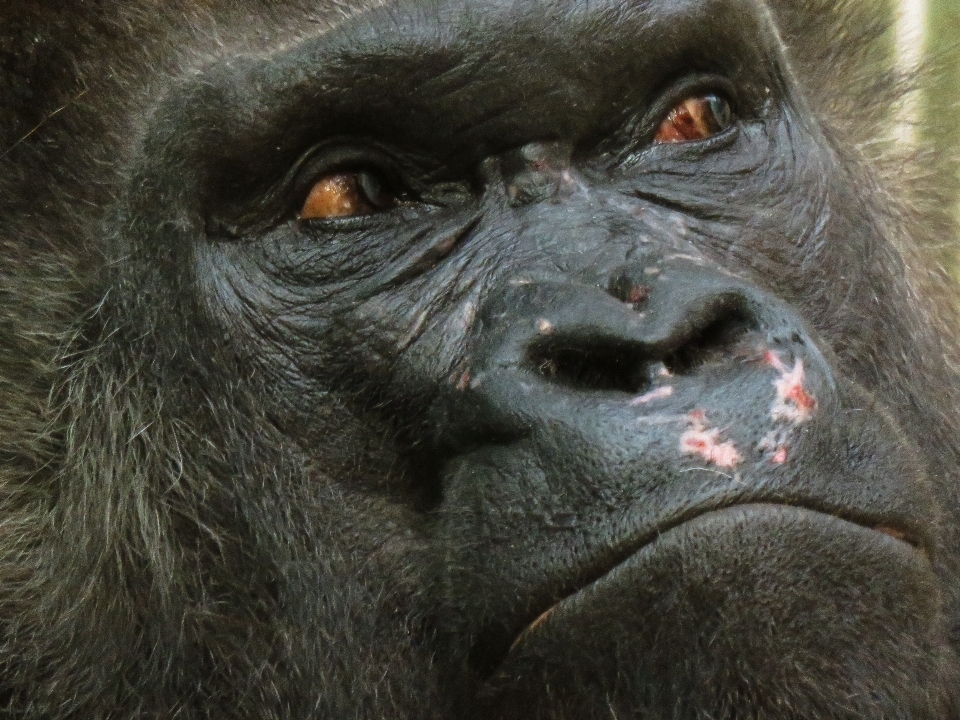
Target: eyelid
pixel 333 157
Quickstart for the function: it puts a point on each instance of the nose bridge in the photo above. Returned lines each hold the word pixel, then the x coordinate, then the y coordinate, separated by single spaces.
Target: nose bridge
pixel 539 172
pixel 567 227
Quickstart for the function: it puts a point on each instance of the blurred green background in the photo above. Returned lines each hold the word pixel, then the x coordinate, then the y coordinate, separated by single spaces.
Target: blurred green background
pixel 943 37
pixel 941 108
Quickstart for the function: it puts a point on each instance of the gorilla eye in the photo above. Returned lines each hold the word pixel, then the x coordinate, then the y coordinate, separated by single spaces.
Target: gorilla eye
pixel 696 118
pixel 347 194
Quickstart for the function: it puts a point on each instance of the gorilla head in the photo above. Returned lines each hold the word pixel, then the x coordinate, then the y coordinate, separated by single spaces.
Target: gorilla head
pixel 469 359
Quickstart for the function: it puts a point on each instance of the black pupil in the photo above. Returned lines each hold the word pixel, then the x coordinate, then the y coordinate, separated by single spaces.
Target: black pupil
pixel 374 190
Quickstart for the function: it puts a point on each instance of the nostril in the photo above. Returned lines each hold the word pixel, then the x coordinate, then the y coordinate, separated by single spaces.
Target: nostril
pixel 715 340
pixel 625 289
pixel 607 349
pixel 598 366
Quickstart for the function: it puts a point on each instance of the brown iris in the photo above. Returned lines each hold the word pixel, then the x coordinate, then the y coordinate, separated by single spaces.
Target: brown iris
pixel 696 118
pixel 346 194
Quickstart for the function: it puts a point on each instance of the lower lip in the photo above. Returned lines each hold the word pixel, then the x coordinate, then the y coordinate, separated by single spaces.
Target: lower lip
pixel 891 539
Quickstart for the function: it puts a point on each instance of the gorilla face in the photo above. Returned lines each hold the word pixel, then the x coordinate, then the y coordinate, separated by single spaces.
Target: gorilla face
pixel 479 360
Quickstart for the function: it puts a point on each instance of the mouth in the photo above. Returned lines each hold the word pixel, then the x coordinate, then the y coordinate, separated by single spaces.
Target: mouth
pixel 490 655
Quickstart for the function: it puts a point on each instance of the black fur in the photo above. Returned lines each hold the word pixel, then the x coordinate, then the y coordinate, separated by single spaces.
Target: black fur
pixel 256 467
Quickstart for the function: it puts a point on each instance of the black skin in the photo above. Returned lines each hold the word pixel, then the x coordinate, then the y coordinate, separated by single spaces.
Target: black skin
pixel 583 425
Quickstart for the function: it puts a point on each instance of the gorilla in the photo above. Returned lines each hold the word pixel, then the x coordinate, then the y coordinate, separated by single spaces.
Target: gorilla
pixel 461 359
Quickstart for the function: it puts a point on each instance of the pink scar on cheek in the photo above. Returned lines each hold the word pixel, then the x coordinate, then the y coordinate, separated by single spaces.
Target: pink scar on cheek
pixel 659 393
pixel 793 402
pixel 774 444
pixel 703 441
pixel 461 378
pixel 638 293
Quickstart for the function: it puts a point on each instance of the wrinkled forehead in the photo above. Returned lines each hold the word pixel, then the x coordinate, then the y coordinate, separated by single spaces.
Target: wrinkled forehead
pixel 628 23
pixel 406 63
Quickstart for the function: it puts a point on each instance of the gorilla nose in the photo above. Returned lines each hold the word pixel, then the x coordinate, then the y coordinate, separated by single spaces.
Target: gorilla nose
pixel 545 347
pixel 637 331
pixel 593 419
